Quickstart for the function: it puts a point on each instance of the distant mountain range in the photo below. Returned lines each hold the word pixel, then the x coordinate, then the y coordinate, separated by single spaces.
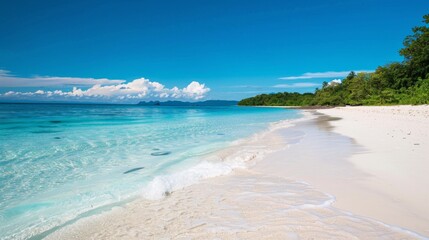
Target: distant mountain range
pixel 180 103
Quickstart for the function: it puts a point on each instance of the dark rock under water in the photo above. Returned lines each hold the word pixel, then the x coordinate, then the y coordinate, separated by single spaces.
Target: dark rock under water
pixel 133 170
pixel 55 121
pixel 160 153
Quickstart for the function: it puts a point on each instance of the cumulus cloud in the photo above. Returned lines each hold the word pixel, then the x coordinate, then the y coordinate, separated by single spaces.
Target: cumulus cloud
pixel 9 80
pixel 195 90
pixel 329 74
pixel 334 82
pixel 91 88
pixel 297 85
pixel 137 89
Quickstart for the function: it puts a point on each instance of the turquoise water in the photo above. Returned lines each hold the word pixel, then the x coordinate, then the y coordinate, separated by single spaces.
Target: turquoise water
pixel 58 161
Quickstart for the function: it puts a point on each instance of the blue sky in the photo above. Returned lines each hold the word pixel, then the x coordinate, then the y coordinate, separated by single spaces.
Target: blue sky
pixel 192 49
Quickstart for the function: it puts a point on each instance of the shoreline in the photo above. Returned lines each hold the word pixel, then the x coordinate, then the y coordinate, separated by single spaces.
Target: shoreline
pixel 185 211
pixel 84 157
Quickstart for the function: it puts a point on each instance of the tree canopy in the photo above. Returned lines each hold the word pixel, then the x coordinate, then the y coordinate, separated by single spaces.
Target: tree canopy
pixel 405 82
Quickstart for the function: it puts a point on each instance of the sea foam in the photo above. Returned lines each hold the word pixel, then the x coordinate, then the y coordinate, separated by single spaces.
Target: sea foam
pixel 239 155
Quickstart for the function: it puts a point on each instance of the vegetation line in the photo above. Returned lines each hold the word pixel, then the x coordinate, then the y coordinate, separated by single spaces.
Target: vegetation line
pixel 405 82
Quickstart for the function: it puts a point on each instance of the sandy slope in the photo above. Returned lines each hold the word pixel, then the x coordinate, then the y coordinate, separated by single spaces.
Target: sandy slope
pixel 395 159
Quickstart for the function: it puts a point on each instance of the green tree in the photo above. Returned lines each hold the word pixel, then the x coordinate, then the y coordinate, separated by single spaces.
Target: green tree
pixel 416 50
pixel 404 82
pixel 351 75
pixel 357 89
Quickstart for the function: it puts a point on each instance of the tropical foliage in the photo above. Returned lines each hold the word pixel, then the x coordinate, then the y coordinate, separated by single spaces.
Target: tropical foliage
pixel 405 82
pixel 279 99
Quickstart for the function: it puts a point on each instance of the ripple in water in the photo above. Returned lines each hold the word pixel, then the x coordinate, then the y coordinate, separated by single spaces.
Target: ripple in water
pixel 45 131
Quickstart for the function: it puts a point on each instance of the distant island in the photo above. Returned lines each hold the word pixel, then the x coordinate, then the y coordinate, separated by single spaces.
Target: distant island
pixel 186 104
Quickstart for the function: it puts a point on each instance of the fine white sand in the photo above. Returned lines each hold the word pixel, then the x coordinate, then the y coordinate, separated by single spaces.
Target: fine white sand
pixel 395 160
pixel 349 181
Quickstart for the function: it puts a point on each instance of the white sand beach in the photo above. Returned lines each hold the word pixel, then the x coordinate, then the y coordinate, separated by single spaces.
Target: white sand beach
pixel 359 177
pixel 395 160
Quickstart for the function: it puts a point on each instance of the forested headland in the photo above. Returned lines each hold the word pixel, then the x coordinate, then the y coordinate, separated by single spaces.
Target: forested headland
pixel 405 82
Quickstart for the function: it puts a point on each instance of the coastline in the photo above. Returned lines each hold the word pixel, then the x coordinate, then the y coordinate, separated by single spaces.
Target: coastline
pixel 70 162
pixel 287 195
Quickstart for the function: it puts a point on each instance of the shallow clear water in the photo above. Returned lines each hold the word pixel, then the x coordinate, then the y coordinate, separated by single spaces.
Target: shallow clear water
pixel 58 161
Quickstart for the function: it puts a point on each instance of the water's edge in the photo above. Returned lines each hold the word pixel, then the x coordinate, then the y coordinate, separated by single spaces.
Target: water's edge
pixel 326 200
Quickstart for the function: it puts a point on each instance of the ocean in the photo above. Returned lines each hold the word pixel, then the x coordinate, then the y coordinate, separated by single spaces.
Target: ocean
pixel 59 162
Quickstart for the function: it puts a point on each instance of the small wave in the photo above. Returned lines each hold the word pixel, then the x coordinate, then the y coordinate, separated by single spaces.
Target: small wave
pixel 162 186
pixel 238 155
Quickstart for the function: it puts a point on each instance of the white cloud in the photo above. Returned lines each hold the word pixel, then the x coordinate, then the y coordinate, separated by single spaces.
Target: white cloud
pixel 297 85
pixel 9 80
pixel 330 74
pixel 334 82
pixel 195 90
pixel 135 90
pixel 102 88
